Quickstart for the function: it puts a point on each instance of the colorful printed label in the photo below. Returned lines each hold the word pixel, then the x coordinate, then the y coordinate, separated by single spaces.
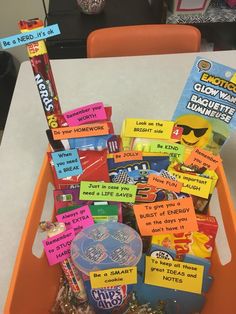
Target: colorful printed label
pixel 67 163
pixel 148 128
pixel 203 158
pixel 109 298
pixel 29 37
pixel 174 275
pixel 113 277
pixel 101 191
pixel 86 114
pixel 87 130
pixel 127 155
pixel 164 183
pixel 166 217
pixel 193 184
pixel 77 219
pixel 172 149
pixel 57 248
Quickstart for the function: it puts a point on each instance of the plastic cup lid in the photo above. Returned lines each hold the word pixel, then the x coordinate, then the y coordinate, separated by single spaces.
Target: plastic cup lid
pixel 106 245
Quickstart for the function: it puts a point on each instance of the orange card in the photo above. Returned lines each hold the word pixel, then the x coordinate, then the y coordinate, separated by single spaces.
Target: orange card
pixel 173 216
pixel 84 130
pixel 164 183
pixel 203 158
pixel 127 155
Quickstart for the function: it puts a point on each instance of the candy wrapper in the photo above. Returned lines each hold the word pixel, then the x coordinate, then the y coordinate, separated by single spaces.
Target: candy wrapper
pixel 94 165
pixel 136 170
pixel 70 271
pixel 198 243
pixel 43 75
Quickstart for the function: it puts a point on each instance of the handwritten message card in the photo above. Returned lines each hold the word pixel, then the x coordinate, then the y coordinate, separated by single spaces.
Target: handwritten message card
pixel 101 191
pixel 164 183
pixel 67 163
pixel 57 248
pixel 113 277
pixel 77 219
pixel 94 129
pixel 86 114
pixel 172 216
pixel 148 128
pixel 174 275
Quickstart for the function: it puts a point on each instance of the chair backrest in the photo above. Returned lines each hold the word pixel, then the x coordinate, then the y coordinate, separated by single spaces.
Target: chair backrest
pixel 143 40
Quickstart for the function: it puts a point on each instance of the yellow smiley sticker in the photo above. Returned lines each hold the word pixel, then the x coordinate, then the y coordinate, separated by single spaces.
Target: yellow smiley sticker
pixel 196 130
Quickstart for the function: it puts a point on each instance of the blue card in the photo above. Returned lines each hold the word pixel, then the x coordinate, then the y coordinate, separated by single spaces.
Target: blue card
pixel 29 37
pixel 67 163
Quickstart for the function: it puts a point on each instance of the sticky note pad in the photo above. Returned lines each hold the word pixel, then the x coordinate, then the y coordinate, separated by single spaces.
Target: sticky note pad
pixel 113 277
pixel 67 163
pixel 101 191
pixel 174 275
pixel 177 215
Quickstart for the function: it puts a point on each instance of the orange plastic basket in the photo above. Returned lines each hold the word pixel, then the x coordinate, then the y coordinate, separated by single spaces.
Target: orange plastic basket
pixel 34 284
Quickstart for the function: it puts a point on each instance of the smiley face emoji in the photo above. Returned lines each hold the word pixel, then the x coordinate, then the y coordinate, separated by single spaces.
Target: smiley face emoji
pixel 196 130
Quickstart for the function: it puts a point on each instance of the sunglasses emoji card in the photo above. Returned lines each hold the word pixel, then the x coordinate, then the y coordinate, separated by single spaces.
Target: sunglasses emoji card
pixel 206 111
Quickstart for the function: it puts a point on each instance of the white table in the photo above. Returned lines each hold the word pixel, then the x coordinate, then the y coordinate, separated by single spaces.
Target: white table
pixel 133 86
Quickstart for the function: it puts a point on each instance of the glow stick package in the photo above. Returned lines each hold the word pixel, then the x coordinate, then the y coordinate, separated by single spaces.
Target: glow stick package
pixel 207 106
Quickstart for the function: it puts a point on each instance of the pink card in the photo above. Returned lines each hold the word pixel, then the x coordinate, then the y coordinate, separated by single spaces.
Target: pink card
pixel 77 219
pixel 86 114
pixel 57 248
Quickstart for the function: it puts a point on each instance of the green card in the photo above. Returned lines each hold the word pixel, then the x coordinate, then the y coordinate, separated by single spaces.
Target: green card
pixel 172 149
pixel 101 191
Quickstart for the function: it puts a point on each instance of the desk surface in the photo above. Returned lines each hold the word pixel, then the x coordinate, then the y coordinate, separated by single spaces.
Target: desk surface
pixel 147 87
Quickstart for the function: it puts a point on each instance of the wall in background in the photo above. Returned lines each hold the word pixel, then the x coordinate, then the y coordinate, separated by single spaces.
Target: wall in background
pixel 11 11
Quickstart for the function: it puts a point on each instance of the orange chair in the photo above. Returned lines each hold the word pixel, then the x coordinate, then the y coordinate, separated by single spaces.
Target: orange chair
pixel 143 40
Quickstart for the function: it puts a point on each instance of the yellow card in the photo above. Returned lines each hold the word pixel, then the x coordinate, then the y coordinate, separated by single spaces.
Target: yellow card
pixel 113 277
pixel 174 275
pixel 193 184
pixel 148 128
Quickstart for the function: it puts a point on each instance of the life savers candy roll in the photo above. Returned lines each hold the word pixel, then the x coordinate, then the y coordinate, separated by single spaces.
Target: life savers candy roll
pixel 43 75
pixel 71 273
